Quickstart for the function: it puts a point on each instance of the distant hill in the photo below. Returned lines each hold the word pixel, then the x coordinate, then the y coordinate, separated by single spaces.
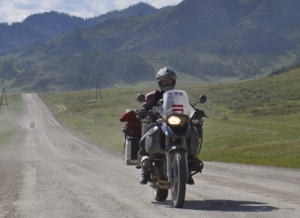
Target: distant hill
pixel 44 26
pixel 206 39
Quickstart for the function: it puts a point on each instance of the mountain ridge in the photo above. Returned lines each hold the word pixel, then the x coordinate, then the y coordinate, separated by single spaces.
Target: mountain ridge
pixel 40 27
pixel 209 40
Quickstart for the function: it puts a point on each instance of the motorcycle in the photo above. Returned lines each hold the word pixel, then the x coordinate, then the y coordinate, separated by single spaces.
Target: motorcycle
pixel 172 136
pixel 171 133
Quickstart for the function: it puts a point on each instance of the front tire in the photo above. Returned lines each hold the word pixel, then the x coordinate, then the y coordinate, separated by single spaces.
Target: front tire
pixel 178 180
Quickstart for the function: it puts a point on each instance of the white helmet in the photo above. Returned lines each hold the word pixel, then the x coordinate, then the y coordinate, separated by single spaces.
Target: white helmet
pixel 166 79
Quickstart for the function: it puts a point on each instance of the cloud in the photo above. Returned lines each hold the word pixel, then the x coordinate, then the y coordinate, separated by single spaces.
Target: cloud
pixel 17 10
pixel 160 3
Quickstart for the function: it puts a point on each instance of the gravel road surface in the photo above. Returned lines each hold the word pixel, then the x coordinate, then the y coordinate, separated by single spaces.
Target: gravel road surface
pixel 49 171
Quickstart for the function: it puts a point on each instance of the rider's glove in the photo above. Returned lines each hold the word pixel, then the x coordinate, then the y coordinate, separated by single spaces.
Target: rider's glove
pixel 199 114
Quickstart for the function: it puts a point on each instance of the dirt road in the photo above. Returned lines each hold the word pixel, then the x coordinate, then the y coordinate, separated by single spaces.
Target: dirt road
pixel 48 171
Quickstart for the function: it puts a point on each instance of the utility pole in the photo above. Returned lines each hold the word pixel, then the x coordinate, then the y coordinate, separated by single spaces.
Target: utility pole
pixel 254 72
pixel 3 95
pixel 98 90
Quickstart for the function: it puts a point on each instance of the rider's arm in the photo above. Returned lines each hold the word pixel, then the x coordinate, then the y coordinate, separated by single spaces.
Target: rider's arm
pixel 149 101
pixel 147 105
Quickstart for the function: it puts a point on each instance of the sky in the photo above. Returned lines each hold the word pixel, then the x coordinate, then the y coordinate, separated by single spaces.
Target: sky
pixel 17 10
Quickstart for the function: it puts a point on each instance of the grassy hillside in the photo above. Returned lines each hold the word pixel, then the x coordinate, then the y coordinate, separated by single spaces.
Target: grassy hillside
pixel 254 122
pixel 206 39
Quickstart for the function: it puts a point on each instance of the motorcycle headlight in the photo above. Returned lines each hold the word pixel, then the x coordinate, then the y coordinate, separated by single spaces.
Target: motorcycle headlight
pixel 174 120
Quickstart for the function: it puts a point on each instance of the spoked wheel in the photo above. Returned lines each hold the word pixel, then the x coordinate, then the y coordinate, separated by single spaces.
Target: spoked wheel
pixel 160 194
pixel 178 181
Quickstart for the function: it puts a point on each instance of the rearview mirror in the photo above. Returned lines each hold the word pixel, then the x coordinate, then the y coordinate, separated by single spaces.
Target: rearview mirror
pixel 141 98
pixel 202 99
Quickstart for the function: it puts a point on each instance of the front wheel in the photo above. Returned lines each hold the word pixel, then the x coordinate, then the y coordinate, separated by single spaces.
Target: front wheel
pixel 178 180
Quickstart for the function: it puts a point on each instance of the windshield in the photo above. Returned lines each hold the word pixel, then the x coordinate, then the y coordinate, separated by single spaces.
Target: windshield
pixel 176 102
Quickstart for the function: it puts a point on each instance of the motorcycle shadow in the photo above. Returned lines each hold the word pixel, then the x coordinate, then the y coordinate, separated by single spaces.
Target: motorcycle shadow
pixel 224 206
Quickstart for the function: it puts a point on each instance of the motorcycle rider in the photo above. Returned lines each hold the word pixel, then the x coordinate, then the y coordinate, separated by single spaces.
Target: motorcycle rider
pixel 166 79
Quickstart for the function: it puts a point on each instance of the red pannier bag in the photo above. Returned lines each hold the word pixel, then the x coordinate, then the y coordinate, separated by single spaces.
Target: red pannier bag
pixel 132 124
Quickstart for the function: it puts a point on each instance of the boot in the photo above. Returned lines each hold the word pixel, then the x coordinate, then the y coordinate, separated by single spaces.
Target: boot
pixel 145 176
pixel 190 180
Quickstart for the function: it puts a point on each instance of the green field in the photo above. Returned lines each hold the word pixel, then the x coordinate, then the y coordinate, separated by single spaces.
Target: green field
pixel 253 122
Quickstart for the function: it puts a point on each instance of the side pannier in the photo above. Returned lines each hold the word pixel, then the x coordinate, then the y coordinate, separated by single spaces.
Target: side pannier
pixel 132 136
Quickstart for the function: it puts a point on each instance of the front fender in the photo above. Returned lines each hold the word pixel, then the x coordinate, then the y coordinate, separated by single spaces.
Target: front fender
pixel 173 148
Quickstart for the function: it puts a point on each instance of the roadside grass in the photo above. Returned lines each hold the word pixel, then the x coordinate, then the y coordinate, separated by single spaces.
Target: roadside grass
pixel 8 116
pixel 253 122
pixel 263 141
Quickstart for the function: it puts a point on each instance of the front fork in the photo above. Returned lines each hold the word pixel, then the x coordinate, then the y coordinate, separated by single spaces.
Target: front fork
pixel 171 149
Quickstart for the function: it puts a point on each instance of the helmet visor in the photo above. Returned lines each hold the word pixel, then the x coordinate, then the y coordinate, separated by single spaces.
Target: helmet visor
pixel 167 82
